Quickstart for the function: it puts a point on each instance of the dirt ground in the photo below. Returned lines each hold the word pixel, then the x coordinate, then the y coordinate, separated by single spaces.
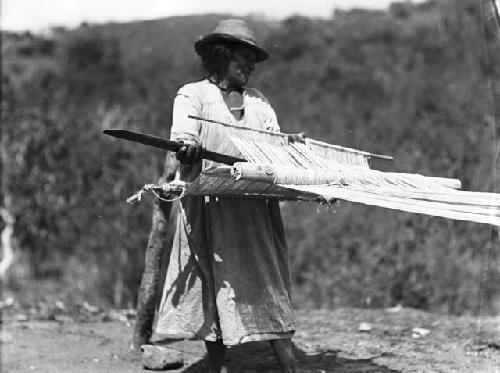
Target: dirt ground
pixel 344 340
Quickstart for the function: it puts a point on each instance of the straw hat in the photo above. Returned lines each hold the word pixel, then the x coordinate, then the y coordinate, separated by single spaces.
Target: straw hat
pixel 232 31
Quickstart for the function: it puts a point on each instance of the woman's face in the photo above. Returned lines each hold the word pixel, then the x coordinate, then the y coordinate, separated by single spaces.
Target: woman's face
pixel 241 66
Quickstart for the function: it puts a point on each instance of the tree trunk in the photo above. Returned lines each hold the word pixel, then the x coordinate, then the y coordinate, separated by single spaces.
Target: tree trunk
pixel 6 211
pixel 158 237
pixel 6 242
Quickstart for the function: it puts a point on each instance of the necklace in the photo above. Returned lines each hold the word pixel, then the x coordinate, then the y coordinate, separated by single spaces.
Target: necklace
pixel 231 89
pixel 227 89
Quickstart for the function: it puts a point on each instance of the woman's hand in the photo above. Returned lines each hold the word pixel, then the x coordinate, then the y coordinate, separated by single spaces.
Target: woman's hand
pixel 189 157
pixel 297 137
pixel 189 154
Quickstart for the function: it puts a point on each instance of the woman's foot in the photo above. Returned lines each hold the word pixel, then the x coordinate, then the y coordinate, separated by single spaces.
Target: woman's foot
pixel 216 352
pixel 283 348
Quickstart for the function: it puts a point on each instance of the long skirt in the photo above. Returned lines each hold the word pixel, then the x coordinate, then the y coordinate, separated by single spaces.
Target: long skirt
pixel 228 276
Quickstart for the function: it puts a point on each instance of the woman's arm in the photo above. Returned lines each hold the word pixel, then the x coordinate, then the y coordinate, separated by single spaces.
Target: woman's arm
pixel 187 130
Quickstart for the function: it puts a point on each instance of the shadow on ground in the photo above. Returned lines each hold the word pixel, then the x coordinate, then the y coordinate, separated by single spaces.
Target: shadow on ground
pixel 259 357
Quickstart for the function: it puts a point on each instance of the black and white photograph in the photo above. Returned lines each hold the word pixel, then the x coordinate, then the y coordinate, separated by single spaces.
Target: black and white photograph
pixel 268 186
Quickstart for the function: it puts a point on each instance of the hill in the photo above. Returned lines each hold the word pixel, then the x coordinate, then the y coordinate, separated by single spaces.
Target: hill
pixel 410 81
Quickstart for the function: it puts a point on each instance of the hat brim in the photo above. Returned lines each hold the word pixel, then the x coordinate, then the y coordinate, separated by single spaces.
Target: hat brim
pixel 260 53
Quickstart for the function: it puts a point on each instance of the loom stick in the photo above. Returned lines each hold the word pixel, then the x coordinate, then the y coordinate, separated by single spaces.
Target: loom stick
pixel 277 174
pixel 315 142
pixel 352 175
pixel 173 146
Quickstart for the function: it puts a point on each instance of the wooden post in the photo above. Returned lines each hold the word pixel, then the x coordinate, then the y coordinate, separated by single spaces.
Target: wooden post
pixel 491 24
pixel 149 291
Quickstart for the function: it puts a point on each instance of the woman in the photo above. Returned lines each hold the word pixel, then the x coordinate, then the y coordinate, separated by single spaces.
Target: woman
pixel 228 277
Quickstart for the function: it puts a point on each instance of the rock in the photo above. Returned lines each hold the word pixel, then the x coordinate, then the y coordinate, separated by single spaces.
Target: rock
pixel 161 358
pixel 364 327
pixel 419 332
pixel 394 309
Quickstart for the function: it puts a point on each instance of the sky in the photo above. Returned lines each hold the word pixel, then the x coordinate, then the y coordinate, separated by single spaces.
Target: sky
pixel 40 15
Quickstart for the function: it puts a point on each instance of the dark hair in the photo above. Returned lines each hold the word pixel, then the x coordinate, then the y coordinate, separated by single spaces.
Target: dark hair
pixel 215 59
